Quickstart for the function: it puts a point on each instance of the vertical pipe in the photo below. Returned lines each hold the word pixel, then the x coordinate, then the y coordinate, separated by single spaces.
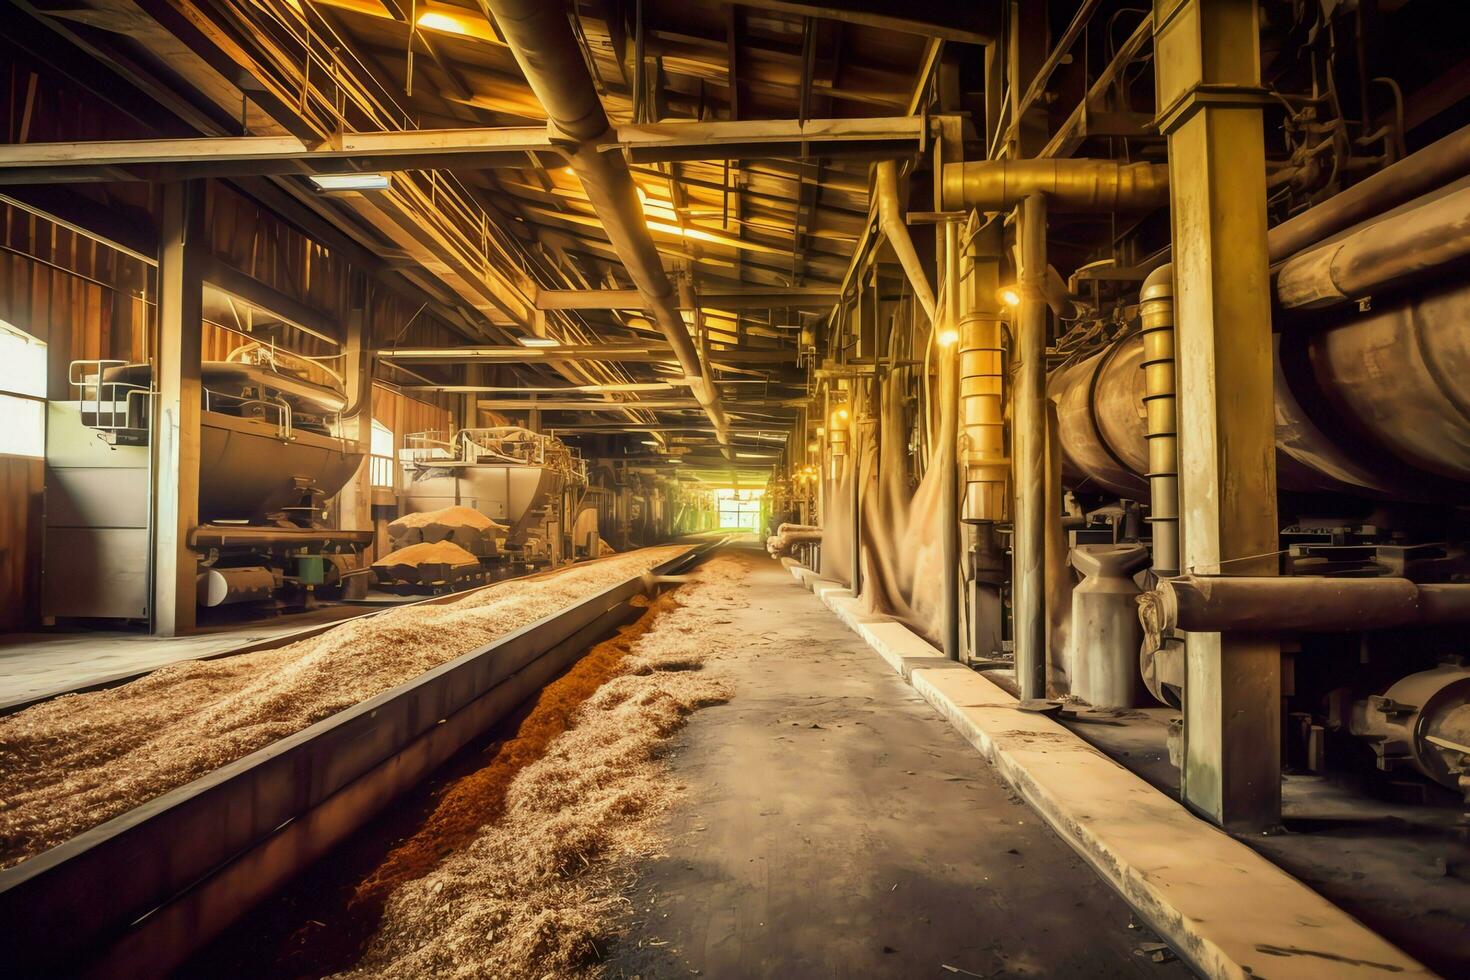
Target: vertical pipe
pixel 1028 544
pixel 981 380
pixel 949 500
pixel 1157 312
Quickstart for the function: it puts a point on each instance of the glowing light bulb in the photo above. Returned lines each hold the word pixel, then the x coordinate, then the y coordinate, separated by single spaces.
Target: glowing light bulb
pixel 839 417
pixel 1010 295
pixel 948 337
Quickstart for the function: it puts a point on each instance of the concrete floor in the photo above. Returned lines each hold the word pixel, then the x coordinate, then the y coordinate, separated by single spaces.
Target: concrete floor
pixel 835 825
pixel 1401 868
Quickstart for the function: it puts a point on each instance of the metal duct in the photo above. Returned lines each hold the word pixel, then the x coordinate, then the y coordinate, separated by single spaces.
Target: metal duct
pixel 1069 185
pixel 1378 255
pixel 890 220
pixel 541 40
pixel 1376 404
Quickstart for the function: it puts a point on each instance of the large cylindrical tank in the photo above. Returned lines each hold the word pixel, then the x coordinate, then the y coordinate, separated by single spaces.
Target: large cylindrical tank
pixel 1375 404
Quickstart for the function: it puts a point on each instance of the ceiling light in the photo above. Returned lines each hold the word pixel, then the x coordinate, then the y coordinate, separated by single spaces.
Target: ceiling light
pixel 343 183
pixel 433 20
pixel 526 341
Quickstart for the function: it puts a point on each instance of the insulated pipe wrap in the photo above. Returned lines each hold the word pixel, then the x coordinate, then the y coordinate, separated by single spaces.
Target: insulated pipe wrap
pixel 1161 408
pixel 1069 185
pixel 1379 255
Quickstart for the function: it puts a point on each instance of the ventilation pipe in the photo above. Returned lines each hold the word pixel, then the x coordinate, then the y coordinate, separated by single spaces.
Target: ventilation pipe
pixel 890 221
pixel 540 38
pixel 1069 185
pixel 1378 255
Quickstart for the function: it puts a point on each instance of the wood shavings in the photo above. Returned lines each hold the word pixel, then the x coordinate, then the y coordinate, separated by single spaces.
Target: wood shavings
pixel 74 762
pixel 536 893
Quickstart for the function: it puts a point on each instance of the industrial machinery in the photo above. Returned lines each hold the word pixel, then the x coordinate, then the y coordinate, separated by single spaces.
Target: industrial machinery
pixel 530 482
pixel 271 454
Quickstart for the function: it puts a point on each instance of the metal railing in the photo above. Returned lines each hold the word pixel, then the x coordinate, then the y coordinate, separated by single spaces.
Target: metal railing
pixel 380 472
pixel 107 406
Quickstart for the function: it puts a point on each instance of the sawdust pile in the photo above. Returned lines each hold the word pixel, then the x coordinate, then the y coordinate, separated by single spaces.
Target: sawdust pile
pixel 438 552
pixel 536 893
pixel 466 516
pixel 72 763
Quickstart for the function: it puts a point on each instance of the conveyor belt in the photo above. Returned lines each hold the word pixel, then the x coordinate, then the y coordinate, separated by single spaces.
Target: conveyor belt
pixel 139 893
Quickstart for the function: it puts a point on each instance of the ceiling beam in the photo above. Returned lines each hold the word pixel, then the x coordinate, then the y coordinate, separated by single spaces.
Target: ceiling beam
pixel 973 23
pixel 644 353
pixel 225 156
pixel 757 298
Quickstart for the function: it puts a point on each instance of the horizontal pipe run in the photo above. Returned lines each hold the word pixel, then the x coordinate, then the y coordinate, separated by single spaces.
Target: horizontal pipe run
pixel 1297 604
pixel 1378 255
pixel 1437 164
pixel 1069 185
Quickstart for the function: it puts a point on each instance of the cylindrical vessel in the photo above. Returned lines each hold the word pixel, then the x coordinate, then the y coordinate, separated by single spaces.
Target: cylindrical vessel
pixel 227 586
pixel 1105 635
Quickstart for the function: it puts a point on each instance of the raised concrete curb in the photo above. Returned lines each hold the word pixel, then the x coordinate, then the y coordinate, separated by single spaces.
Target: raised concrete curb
pixel 1222 907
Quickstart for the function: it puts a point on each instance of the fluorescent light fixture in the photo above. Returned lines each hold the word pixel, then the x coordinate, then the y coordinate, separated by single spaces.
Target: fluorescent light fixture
pixel 651 442
pixel 342 183
pixel 538 341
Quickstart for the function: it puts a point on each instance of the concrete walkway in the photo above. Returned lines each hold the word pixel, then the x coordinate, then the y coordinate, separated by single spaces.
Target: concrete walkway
pixel 835 825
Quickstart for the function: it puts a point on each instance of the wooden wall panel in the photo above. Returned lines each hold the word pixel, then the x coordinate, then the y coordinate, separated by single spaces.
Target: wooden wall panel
pixel 20 542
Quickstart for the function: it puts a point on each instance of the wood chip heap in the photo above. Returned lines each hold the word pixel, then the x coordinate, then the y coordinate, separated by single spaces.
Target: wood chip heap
pixel 441 561
pixel 464 526
pixel 72 763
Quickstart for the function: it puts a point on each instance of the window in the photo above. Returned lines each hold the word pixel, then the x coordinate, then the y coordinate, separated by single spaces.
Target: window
pixel 740 508
pixel 380 460
pixel 22 393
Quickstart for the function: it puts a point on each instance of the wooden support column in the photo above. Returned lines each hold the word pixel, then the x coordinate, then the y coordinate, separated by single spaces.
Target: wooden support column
pixel 175 437
pixel 1208 77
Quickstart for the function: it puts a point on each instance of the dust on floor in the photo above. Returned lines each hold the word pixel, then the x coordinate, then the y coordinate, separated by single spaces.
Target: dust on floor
pixel 75 762
pixel 537 892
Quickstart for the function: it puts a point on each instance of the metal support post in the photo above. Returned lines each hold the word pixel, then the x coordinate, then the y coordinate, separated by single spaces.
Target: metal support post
pixel 1208 76
pixel 1028 541
pixel 175 416
pixel 947 328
